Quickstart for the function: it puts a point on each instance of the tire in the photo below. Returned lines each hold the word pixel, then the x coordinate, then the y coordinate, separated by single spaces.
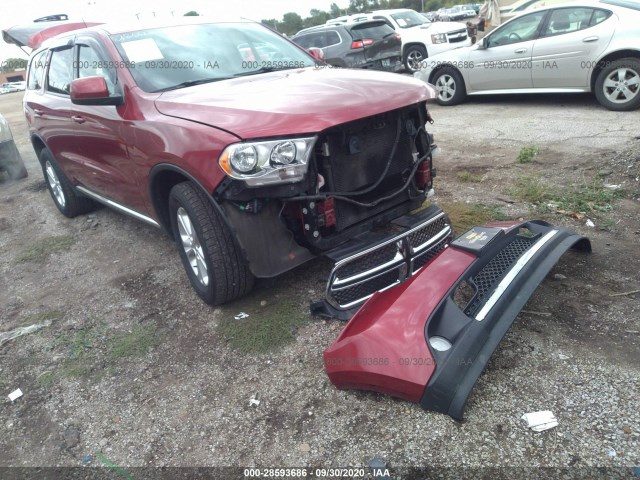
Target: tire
pixel 212 259
pixel 450 85
pixel 618 85
pixel 64 196
pixel 413 57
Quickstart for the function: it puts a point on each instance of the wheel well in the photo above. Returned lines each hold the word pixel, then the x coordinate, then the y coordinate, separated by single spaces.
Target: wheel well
pixel 610 58
pixel 161 185
pixel 414 44
pixel 38 145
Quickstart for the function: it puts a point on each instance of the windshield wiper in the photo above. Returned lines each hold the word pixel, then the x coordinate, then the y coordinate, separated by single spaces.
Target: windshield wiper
pixel 191 83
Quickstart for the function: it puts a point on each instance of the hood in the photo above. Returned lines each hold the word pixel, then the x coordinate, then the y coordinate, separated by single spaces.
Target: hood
pixel 293 102
pixel 441 27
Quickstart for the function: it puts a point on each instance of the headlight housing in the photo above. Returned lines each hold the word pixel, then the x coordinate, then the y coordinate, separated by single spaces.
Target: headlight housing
pixel 268 162
pixel 439 38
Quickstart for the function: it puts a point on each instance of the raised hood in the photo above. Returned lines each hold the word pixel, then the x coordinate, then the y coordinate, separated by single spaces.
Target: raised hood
pixel 293 102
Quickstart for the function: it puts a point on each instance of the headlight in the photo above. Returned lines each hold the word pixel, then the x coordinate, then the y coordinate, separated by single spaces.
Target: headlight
pixel 244 159
pixel 439 38
pixel 268 162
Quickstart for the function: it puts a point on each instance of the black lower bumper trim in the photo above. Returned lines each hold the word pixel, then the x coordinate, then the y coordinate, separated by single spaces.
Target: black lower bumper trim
pixel 477 332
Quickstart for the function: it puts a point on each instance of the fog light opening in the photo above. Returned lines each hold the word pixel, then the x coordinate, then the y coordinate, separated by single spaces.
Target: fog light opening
pixel 439 344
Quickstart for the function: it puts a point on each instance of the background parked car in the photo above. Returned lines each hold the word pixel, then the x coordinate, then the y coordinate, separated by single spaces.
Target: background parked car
pixel 367 44
pixel 458 12
pixel 420 37
pixel 584 47
pixel 10 160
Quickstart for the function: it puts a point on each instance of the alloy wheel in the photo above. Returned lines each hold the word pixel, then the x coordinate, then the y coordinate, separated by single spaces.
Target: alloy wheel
pixel 446 87
pixel 622 85
pixel 54 183
pixel 192 247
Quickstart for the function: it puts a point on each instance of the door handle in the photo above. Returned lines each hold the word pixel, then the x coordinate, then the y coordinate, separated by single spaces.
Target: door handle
pixel 520 50
pixel 37 112
pixel 591 39
pixel 78 119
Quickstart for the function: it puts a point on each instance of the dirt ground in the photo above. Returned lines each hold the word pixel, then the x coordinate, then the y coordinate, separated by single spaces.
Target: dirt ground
pixel 134 370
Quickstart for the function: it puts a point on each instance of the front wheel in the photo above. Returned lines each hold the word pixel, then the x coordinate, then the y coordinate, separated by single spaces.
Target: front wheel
pixel 450 85
pixel 413 58
pixel 618 85
pixel 213 261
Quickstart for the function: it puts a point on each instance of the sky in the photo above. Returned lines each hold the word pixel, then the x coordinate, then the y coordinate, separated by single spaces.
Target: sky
pixel 128 10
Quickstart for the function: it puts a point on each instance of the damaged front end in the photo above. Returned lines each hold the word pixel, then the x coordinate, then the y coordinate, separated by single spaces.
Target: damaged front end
pixel 428 339
pixel 353 179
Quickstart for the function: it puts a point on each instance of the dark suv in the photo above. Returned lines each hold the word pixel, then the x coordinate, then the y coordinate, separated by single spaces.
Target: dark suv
pixel 243 147
pixel 365 44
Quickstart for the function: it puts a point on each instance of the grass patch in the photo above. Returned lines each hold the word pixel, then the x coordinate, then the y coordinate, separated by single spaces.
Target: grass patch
pixel 466 176
pixel 266 328
pixel 39 251
pixel 79 346
pixel 527 154
pixel 466 215
pixel 587 197
pixel 45 380
pixel 135 343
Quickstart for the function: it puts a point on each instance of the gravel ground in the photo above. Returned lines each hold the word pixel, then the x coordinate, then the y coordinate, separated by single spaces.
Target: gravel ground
pixel 184 400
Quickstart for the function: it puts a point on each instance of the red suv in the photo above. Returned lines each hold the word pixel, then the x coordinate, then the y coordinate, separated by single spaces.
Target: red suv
pixel 248 151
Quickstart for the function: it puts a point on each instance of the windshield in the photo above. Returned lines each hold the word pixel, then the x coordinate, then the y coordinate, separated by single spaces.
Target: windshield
pixel 175 57
pixel 409 19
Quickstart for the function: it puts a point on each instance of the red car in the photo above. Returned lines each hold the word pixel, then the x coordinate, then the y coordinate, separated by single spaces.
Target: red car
pixel 249 152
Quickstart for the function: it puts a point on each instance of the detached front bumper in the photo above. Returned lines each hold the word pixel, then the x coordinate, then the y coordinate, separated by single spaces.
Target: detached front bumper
pixel 429 339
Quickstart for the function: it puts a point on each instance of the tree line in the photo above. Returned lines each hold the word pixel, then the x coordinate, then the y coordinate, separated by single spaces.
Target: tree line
pixel 292 23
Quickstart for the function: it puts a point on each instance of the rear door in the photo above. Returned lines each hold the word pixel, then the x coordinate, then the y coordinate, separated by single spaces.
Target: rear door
pixel 379 41
pixel 571 40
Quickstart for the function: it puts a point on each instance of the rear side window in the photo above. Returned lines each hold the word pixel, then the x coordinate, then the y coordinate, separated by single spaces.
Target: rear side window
pixel 318 39
pixel 599 16
pixel 59 80
pixel 36 71
pixel 375 31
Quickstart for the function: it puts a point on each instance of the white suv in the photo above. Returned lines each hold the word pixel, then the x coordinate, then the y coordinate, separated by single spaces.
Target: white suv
pixel 420 37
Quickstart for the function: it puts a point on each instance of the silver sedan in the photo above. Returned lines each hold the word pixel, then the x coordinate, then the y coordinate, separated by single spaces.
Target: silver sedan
pixel 576 47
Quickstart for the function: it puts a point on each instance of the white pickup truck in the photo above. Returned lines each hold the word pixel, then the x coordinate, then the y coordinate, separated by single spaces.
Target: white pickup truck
pixel 420 37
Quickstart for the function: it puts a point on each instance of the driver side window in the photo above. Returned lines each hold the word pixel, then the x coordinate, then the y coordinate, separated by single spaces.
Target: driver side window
pixel 521 29
pixel 90 64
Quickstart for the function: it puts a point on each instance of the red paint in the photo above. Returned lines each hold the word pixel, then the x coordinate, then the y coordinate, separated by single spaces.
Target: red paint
pixel 111 150
pixel 390 327
pixel 90 87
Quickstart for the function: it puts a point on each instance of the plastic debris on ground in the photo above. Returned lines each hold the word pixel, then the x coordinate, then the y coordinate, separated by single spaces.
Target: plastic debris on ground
pixel 13 396
pixel 241 315
pixel 254 401
pixel 589 223
pixel 540 421
pixel 18 332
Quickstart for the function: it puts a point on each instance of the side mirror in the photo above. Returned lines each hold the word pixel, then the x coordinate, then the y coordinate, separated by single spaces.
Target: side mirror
pixel 482 44
pixel 93 91
pixel 316 53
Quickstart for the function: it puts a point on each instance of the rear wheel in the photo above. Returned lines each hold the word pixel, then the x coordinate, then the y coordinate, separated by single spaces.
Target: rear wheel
pixel 451 89
pixel 213 261
pixel 413 57
pixel 618 85
pixel 66 199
